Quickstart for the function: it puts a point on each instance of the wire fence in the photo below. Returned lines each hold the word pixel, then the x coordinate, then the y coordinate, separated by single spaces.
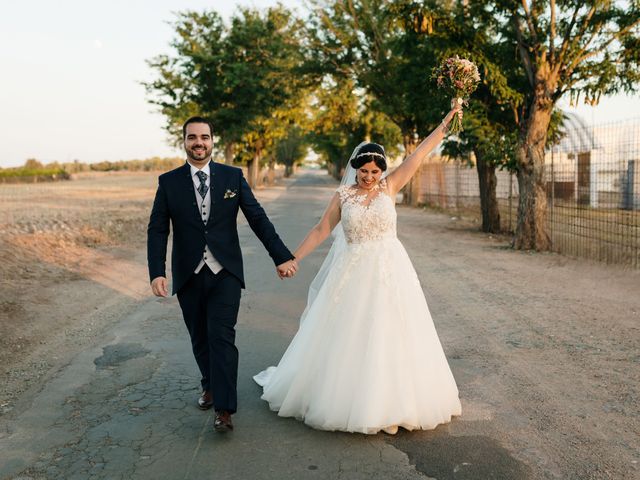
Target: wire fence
pixel 592 180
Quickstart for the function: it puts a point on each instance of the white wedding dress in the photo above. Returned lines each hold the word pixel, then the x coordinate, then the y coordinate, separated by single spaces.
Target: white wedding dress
pixel 366 356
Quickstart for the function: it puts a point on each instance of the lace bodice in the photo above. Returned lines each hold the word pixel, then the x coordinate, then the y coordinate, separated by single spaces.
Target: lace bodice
pixel 363 222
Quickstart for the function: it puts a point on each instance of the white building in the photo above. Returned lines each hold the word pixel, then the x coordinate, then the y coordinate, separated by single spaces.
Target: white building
pixel 597 166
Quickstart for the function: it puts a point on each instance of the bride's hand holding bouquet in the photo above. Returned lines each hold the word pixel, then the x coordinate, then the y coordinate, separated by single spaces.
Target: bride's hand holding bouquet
pixel 459 77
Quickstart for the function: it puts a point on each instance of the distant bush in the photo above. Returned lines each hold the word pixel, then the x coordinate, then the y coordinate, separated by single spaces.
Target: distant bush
pixel 147 165
pixel 33 164
pixel 34 171
pixel 24 175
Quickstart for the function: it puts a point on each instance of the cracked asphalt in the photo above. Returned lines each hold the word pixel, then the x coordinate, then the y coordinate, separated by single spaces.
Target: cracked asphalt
pixel 125 408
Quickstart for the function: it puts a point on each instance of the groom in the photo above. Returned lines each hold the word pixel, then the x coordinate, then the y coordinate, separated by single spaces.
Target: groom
pixel 201 200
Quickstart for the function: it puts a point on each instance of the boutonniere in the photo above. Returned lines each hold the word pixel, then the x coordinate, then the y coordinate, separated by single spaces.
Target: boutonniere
pixel 230 193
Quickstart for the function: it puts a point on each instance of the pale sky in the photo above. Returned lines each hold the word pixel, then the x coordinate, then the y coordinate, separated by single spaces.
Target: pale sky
pixel 69 87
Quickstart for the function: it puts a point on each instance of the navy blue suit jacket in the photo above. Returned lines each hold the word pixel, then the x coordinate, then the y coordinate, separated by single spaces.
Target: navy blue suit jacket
pixel 175 205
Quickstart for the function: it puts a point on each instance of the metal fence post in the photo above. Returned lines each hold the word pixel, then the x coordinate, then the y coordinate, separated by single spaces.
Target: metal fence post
pixel 510 200
pixel 553 197
pixel 457 187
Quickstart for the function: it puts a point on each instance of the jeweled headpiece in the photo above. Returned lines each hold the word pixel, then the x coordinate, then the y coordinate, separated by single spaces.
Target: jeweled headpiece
pixel 371 153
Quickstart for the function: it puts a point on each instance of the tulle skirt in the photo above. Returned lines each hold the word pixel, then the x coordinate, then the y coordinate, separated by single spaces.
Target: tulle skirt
pixel 366 356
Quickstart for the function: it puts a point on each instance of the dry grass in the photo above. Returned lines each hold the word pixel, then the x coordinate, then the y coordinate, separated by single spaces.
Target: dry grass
pixel 606 235
pixel 53 236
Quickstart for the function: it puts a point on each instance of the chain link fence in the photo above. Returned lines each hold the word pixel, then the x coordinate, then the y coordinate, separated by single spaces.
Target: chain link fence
pixel 592 179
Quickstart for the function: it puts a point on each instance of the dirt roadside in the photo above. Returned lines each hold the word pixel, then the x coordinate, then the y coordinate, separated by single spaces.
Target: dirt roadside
pixel 71 263
pixel 545 348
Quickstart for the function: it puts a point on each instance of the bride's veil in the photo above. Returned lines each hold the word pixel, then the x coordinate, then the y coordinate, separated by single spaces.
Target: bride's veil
pixel 339 244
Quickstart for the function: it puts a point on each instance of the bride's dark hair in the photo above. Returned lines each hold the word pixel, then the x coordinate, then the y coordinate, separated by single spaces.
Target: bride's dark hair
pixel 370 152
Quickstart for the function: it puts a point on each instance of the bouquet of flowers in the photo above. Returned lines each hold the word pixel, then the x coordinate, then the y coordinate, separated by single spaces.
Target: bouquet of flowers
pixel 460 77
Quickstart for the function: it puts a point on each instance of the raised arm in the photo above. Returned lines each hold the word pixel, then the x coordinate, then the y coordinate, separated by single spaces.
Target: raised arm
pixel 401 175
pixel 322 230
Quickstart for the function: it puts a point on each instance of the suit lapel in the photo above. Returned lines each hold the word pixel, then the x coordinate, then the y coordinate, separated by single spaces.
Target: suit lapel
pixel 185 174
pixel 217 186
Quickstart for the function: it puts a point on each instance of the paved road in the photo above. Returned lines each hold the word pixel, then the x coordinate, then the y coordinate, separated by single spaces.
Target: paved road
pixel 125 409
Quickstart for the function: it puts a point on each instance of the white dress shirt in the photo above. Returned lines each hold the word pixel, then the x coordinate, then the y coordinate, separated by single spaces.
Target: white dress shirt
pixel 204 205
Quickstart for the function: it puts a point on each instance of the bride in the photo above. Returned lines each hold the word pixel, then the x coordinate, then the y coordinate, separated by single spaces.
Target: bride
pixel 366 356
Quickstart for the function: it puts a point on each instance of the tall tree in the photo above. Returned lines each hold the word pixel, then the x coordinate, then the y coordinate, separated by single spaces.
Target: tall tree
pixel 566 47
pixel 343 117
pixel 367 40
pixel 240 77
pixel 380 46
pixel 490 121
pixel 263 77
pixel 187 81
pixel 291 149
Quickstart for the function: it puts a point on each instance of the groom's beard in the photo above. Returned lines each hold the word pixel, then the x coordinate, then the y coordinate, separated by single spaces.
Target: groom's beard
pixel 200 155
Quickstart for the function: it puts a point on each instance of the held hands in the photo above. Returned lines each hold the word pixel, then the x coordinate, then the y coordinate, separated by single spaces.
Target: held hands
pixel 159 287
pixel 287 269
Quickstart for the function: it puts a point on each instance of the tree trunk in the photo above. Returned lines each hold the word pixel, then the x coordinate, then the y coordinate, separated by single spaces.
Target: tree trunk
pixel 253 169
pixel 271 174
pixel 288 170
pixel 411 191
pixel 488 202
pixel 531 229
pixel 229 153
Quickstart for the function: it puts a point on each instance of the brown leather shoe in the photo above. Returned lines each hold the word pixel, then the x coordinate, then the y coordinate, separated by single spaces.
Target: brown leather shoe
pixel 205 402
pixel 222 423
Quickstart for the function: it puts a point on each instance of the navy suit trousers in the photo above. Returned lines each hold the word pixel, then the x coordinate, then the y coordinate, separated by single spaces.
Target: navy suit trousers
pixel 210 304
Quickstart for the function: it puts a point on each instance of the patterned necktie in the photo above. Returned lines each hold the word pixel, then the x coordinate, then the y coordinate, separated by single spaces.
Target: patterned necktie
pixel 202 188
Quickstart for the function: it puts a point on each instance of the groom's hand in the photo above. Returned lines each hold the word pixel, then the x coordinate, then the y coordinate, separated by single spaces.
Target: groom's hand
pixel 159 287
pixel 287 269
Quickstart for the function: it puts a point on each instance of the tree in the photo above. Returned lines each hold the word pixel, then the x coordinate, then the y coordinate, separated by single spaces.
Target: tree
pixel 343 117
pixel 291 149
pixel 33 164
pixel 566 48
pixel 239 77
pixel 263 77
pixel 425 34
pixel 187 82
pixel 490 126
pixel 378 44
pixel 367 40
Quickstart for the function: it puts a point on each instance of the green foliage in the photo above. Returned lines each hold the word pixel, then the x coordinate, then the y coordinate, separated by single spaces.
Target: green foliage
pixel 292 148
pixel 584 49
pixel 562 47
pixel 147 165
pixel 244 77
pixel 360 69
pixel 34 170
pixel 342 119
pixel 24 172
pixel 371 42
pixel 62 171
pixel 33 164
pixel 186 82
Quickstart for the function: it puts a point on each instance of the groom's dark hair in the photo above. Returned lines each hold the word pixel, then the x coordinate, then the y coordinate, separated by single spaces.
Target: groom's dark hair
pixel 196 120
